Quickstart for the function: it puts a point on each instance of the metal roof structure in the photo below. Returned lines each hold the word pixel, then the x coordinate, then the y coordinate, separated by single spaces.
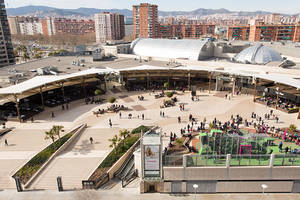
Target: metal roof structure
pixel 38 81
pixel 233 71
pixel 173 49
pixel 32 86
pixel 258 54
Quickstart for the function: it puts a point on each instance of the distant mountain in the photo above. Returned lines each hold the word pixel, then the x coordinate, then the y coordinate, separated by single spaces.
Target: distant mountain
pixel 44 11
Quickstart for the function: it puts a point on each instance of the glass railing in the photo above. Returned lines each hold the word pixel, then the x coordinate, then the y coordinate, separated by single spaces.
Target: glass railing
pixel 287 160
pixel 235 160
pixel 206 160
pixel 250 160
pixel 173 161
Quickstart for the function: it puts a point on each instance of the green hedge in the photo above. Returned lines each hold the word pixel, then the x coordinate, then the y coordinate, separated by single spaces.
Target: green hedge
pixel 120 150
pixel 140 129
pixel 28 170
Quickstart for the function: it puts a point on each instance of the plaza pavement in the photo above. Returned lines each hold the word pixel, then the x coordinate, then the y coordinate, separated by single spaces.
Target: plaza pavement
pixel 77 162
pixel 133 195
pixel 23 145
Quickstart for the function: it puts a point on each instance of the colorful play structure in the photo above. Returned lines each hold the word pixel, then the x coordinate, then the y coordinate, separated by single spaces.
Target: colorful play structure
pixel 217 142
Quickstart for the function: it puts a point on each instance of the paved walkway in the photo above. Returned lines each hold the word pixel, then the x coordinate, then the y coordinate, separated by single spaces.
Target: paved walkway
pixel 77 162
pixel 22 146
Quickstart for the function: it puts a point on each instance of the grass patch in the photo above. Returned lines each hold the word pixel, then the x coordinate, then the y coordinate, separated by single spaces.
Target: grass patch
pixel 30 168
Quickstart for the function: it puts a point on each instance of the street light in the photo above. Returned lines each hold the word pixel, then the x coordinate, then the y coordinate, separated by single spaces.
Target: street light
pixel 263 186
pixel 195 186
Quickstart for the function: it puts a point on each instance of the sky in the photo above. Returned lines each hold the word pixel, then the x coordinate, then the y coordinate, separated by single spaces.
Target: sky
pixel 282 6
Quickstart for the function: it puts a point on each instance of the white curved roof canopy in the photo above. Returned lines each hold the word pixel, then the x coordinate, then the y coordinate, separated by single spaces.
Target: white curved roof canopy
pixel 258 54
pixel 176 49
pixel 43 80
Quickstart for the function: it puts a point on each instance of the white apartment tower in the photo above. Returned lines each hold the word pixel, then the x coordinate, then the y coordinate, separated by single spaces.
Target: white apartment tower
pixel 109 27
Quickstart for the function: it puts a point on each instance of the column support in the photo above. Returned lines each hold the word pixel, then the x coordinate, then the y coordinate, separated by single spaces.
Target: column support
pixel 255 85
pixel 277 96
pixel 209 82
pixel 17 107
pixel 233 86
pixel 83 87
pixel 189 81
pixel 42 97
pixel 148 81
pixel 63 91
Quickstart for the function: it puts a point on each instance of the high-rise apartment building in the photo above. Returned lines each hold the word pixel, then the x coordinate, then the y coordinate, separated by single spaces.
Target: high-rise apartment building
pixel 70 26
pixel 109 27
pixel 50 26
pixel 265 32
pixel 273 18
pixel 145 21
pixel 31 26
pixel 193 31
pixel 14 25
pixel 6 49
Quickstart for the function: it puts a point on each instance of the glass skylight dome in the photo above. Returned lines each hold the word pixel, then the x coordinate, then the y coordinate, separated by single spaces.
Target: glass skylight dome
pixel 258 54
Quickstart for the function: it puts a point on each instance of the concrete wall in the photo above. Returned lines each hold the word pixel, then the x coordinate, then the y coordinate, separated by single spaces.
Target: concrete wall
pixel 254 186
pixel 234 179
pixel 232 173
pixel 233 186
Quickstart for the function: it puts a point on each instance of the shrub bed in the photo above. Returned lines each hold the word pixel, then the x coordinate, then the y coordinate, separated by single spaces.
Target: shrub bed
pixel 111 99
pixel 30 168
pixel 293 110
pixel 169 94
pixel 140 129
pixel 117 153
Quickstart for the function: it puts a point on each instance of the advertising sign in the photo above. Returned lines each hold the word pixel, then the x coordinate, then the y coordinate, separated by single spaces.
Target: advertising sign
pixel 152 158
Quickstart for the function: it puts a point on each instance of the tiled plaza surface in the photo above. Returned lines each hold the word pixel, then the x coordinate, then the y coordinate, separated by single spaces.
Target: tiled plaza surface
pixel 81 158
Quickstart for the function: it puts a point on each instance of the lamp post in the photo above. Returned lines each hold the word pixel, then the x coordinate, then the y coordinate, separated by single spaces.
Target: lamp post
pixel 263 186
pixel 195 186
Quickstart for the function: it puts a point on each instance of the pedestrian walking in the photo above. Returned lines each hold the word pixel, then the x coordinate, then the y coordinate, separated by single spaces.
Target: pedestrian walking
pixel 31 119
pixel 179 120
pixel 143 116
pixel 163 114
pixel 120 115
pixel 52 115
pixel 6 143
pixel 62 107
pixel 91 140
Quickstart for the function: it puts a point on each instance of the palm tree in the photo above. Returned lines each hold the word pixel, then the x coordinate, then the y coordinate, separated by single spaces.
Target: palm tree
pixel 292 128
pixel 50 135
pixel 124 133
pixel 114 142
pixel 57 130
pixel 179 142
